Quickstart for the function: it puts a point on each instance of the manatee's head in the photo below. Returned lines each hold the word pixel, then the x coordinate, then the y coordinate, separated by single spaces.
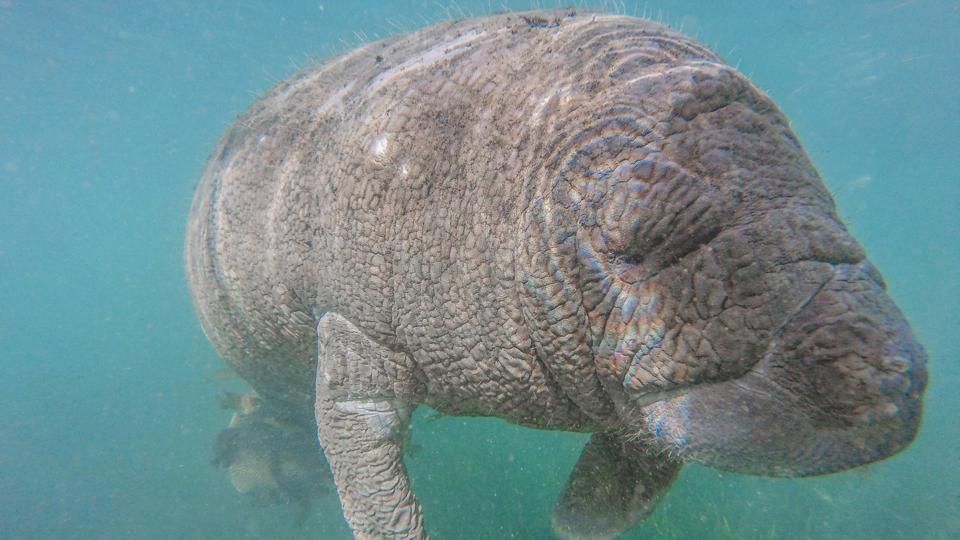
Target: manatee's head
pixel 732 317
pixel 838 385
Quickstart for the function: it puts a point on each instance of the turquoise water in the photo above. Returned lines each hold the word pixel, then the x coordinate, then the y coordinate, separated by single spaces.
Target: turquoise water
pixel 108 388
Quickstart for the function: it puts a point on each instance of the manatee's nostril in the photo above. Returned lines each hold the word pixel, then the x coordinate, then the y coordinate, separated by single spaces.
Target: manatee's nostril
pixel 868 269
pixel 904 362
pixel 853 271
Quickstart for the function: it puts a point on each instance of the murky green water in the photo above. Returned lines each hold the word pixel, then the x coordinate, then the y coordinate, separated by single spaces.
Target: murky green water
pixel 107 385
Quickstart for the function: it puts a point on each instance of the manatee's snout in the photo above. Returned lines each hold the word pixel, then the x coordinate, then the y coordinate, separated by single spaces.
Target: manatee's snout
pixel 839 386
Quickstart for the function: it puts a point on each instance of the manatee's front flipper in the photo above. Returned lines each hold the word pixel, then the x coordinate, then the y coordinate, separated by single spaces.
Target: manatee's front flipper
pixel 614 485
pixel 362 407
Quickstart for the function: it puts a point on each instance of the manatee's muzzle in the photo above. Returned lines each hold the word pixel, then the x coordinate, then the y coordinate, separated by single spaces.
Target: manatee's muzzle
pixel 840 386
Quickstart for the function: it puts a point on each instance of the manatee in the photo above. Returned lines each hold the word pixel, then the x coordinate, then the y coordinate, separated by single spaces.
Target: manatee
pixel 571 221
pixel 269 458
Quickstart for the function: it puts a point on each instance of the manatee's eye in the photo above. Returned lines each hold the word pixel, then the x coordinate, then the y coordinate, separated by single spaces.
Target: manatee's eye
pixel 639 210
pixel 676 215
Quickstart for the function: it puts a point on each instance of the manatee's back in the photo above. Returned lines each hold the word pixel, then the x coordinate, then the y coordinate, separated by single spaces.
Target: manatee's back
pixel 246 280
pixel 272 212
pixel 255 226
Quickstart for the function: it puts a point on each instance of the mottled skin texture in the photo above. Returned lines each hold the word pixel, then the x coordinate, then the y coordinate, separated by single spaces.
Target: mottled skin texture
pixel 571 221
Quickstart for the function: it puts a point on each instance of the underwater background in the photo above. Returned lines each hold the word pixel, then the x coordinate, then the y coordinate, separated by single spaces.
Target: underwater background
pixel 108 388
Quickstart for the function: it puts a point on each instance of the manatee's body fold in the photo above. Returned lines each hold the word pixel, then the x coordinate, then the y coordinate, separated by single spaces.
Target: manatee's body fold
pixel 571 221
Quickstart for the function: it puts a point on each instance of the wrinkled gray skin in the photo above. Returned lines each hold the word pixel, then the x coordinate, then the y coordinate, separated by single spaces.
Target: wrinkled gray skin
pixel 582 222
